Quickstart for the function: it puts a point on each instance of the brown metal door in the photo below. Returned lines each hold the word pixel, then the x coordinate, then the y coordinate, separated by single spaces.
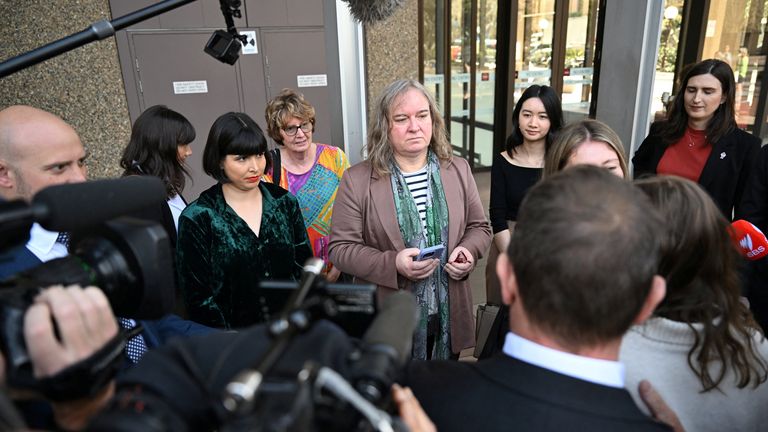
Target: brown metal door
pixel 171 69
pixel 295 58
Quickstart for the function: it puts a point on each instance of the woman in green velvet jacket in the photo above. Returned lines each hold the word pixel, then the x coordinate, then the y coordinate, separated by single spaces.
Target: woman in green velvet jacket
pixel 238 232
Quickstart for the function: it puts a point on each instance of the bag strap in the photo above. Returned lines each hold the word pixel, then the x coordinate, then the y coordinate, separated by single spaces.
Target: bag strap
pixel 277 169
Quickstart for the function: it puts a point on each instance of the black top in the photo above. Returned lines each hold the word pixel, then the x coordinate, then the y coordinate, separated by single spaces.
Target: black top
pixel 509 184
pixel 755 200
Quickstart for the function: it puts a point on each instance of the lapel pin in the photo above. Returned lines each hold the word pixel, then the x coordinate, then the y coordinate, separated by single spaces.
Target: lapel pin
pixel 722 155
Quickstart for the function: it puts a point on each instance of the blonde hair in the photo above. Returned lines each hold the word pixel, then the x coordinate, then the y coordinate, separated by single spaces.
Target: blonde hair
pixel 379 149
pixel 289 103
pixel 575 134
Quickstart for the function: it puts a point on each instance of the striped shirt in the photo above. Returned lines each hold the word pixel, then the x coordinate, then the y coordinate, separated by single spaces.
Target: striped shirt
pixel 418 184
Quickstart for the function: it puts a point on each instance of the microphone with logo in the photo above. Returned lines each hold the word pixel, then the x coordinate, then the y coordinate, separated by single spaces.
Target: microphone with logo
pixel 749 240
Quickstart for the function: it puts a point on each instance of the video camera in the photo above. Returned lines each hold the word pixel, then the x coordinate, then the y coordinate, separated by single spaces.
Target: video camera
pixel 128 259
pixel 270 378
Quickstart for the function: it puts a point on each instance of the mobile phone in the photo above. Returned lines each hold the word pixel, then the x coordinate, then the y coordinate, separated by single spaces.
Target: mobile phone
pixel 430 252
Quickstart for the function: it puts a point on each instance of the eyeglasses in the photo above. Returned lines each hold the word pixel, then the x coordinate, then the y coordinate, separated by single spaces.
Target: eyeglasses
pixel 306 127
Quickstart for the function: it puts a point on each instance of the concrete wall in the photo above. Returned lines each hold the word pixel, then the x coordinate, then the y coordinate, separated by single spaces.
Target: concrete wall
pixel 627 68
pixel 84 86
pixel 391 50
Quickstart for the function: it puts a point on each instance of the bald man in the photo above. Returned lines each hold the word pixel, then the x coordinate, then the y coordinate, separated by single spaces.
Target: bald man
pixel 37 149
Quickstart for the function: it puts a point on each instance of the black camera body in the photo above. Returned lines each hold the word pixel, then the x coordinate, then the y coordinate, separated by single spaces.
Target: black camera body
pixel 128 259
pixel 224 46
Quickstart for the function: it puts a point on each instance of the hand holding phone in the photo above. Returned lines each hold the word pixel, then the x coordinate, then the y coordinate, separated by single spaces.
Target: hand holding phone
pixel 430 253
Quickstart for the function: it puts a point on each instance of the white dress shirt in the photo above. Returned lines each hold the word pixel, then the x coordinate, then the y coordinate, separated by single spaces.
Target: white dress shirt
pixel 42 244
pixel 604 372
pixel 176 204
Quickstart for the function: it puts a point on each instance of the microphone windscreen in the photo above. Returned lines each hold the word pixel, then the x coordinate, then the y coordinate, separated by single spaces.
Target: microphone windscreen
pixel 749 240
pixel 394 325
pixel 313 266
pixel 74 206
pixel 372 11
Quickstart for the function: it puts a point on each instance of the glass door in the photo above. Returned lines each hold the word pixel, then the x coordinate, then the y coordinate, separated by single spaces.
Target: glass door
pixel 533 45
pixel 666 62
pixel 578 70
pixel 458 52
pixel 734 34
pixel 559 36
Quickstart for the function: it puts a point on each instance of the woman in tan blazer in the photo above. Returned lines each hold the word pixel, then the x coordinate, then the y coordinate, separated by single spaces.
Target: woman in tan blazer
pixel 411 194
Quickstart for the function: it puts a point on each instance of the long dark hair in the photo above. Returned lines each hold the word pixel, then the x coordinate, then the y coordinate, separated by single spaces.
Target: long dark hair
pixel 551 105
pixel 703 288
pixel 153 149
pixel 724 119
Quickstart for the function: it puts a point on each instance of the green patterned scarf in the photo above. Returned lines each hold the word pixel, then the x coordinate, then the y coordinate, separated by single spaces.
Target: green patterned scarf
pixel 432 292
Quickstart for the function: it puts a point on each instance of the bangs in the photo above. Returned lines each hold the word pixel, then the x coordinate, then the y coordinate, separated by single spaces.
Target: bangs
pixel 247 142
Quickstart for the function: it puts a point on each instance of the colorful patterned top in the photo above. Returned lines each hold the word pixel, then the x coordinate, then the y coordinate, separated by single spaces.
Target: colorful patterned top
pixel 316 192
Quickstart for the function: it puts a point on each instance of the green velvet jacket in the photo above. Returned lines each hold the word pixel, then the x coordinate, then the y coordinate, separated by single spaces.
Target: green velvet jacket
pixel 220 260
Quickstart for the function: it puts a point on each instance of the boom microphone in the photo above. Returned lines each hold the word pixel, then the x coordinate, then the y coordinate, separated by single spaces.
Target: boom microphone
pixel 749 240
pixel 73 206
pixel 372 11
pixel 386 346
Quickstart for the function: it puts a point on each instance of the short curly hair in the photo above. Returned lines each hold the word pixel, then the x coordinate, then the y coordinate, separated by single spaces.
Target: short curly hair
pixel 289 103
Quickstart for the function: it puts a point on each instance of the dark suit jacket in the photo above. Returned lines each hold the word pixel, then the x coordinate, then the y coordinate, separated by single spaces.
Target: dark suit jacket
pixel 16 260
pixel 754 203
pixel 503 393
pixel 754 208
pixel 723 178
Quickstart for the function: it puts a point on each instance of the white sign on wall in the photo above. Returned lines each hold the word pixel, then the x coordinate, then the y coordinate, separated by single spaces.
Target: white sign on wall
pixel 312 80
pixel 188 87
pixel 250 47
pixel 711 26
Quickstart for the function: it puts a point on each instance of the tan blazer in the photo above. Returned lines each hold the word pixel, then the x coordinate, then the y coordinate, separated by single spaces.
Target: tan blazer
pixel 365 235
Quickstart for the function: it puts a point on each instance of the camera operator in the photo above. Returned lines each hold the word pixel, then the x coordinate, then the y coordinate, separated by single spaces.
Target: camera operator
pixel 64 328
pixel 38 149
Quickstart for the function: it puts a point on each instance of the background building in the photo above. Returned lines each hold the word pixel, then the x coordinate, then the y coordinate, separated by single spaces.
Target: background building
pixel 616 60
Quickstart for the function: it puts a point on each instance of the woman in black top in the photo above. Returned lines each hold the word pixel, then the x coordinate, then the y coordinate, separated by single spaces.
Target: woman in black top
pixel 700 139
pixel 536 118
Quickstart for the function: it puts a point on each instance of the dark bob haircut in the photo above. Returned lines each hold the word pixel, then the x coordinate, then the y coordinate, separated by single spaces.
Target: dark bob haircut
pixel 233 134
pixel 153 149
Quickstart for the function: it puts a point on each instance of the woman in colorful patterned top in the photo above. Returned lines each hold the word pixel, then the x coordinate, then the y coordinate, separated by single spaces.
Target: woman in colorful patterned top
pixel 310 171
